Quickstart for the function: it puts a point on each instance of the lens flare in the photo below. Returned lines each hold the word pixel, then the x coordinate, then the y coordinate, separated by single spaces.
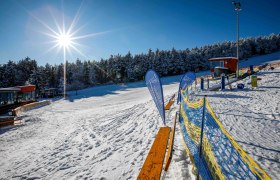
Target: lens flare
pixel 64 40
pixel 64 36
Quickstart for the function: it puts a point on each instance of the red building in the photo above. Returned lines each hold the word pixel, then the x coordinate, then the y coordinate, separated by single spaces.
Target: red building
pixel 226 65
pixel 13 97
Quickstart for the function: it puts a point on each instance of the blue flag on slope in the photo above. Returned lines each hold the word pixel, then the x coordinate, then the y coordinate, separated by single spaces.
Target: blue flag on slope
pixel 155 87
pixel 185 82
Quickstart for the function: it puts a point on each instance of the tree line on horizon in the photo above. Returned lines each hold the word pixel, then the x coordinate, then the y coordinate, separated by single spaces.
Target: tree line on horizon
pixel 129 68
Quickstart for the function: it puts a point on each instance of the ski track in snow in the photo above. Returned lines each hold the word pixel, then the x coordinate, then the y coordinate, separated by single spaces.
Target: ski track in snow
pixel 88 138
pixel 89 143
pixel 108 136
pixel 254 118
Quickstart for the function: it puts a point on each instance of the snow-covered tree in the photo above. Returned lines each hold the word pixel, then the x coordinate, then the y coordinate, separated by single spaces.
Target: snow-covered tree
pixel 128 67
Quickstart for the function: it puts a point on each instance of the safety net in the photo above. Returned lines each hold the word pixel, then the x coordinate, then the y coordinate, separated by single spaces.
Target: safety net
pixel 221 157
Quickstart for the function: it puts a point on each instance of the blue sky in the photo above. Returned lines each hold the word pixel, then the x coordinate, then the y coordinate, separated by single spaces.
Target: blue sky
pixel 119 26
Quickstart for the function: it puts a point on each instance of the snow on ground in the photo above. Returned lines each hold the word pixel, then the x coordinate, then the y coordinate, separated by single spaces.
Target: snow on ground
pixel 252 117
pixel 88 136
pixel 258 60
pixel 106 132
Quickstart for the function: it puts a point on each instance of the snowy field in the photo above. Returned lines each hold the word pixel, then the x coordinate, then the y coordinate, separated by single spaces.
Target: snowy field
pixel 106 132
pixel 252 117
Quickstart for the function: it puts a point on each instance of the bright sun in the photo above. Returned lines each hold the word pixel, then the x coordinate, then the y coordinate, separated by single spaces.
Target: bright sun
pixel 64 40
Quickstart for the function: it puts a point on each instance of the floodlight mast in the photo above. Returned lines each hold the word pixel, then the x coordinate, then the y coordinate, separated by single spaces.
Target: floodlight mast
pixel 237 8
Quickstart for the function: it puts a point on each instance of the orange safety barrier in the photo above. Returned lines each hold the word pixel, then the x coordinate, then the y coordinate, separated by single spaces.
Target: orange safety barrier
pixel 170 103
pixel 170 146
pixel 152 166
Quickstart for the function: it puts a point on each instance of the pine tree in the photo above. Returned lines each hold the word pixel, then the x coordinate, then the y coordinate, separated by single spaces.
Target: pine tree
pixel 127 68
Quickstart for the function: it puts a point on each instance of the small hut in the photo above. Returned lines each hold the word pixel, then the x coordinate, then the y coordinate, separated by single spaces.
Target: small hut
pixel 223 65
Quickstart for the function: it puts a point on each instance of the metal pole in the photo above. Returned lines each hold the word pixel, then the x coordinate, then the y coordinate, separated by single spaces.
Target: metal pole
pixel 237 8
pixel 237 43
pixel 179 96
pixel 201 83
pixel 223 82
pixel 201 133
pixel 202 126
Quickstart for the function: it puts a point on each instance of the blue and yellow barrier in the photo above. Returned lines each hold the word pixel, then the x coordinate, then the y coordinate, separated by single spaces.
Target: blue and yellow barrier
pixel 222 157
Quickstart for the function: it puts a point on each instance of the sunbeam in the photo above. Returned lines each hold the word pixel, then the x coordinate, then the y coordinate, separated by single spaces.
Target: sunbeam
pixel 64 36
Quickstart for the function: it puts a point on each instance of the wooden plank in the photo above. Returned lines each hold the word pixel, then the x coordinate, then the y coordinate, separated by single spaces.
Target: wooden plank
pixel 170 103
pixel 152 166
pixel 29 106
pixel 170 146
pixel 6 120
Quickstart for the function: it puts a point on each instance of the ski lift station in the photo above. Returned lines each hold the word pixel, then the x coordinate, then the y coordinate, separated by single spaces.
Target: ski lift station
pixel 223 65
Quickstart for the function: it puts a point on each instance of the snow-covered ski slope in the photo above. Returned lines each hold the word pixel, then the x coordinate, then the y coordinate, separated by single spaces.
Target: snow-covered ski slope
pixel 252 117
pixel 106 132
pixel 88 136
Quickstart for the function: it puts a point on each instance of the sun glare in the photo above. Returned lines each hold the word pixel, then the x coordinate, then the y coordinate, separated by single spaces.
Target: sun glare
pixel 65 37
pixel 64 40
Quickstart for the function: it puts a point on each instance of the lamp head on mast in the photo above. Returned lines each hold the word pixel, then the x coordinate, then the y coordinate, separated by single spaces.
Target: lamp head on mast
pixel 237 5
